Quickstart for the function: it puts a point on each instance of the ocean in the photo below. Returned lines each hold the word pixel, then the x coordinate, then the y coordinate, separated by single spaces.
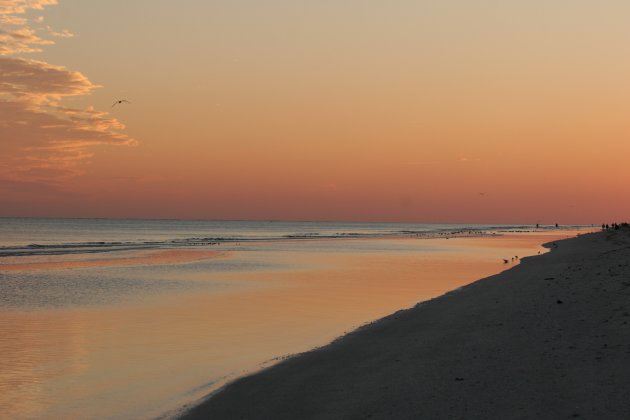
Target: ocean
pixel 138 318
pixel 29 236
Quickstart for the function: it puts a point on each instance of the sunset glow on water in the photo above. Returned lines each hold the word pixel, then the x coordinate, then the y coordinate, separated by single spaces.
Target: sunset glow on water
pixel 191 191
pixel 141 336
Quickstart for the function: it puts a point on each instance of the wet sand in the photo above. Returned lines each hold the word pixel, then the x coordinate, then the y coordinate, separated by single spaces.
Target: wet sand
pixel 549 338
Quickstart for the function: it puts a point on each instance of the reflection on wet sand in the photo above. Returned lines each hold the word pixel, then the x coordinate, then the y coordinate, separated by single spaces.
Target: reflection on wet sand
pixel 37 348
pixel 144 358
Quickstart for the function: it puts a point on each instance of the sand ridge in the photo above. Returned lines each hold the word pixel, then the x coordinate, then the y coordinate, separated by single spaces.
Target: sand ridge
pixel 549 338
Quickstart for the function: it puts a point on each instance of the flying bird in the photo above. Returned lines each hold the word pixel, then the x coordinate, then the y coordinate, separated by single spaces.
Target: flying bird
pixel 121 101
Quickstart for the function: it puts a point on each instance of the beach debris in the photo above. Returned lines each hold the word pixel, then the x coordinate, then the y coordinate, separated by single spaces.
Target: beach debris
pixel 559 302
pixel 505 261
pixel 550 278
pixel 459 379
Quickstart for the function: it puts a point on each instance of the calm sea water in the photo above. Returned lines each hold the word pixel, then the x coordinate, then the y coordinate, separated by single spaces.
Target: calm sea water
pixel 21 236
pixel 135 318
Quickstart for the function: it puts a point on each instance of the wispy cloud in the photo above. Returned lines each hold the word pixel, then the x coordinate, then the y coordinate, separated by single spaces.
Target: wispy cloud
pixel 463 158
pixel 39 82
pixel 41 139
pixel 59 34
pixel 16 36
pixel 17 7
pixel 20 39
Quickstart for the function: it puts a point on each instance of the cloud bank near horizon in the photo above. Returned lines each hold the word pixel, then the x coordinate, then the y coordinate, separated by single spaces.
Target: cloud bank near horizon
pixel 43 141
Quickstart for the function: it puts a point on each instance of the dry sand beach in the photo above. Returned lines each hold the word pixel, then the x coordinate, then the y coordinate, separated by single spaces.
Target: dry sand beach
pixel 549 338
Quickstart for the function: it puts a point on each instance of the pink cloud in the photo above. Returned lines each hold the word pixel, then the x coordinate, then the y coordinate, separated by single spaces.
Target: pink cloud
pixel 21 39
pixel 463 158
pixel 17 36
pixel 37 81
pixel 43 141
pixel 51 146
pixel 16 7
pixel 59 34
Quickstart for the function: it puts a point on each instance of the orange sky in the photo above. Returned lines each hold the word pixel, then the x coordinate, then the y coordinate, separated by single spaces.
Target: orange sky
pixel 337 110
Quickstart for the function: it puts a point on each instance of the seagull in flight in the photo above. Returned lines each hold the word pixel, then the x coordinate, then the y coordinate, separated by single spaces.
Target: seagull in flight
pixel 121 101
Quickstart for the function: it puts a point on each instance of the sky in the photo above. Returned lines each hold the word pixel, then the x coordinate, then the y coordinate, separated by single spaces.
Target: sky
pixel 492 111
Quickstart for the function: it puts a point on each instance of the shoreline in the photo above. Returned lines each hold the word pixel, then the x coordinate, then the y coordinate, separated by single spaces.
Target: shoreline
pixel 521 343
